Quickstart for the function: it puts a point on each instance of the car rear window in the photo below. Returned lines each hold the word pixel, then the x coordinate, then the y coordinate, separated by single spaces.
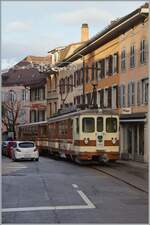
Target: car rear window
pixel 26 145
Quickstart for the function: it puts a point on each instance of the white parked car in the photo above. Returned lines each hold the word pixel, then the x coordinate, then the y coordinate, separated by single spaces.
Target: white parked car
pixel 24 150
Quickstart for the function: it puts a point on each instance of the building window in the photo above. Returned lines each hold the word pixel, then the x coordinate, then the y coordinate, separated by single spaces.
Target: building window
pixel 78 77
pixel 55 78
pixel 131 93
pixel 114 97
pixel 50 109
pixel 78 100
pixel 132 56
pixel 138 93
pixel 109 97
pixel 41 115
pixel 123 60
pixel 93 72
pixel 102 68
pixel 88 98
pixel 71 83
pixel 96 71
pixel 142 52
pixel 41 93
pixel 55 106
pixel 75 78
pixel 81 76
pixel 122 95
pixel 102 98
pixel 87 74
pixel 110 65
pixel 106 98
pixel 60 86
pixel 12 96
pixel 37 94
pixel 23 94
pixel 145 91
pixel 107 66
pixel 115 63
pixel 33 116
pixel 99 68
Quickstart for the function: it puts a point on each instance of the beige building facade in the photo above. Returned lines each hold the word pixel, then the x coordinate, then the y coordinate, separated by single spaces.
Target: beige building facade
pixel 116 60
pixel 134 88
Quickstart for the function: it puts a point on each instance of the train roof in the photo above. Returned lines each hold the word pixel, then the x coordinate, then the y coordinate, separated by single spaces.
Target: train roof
pixel 64 114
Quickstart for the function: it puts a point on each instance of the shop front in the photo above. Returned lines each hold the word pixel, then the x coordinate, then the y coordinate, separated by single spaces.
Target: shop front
pixel 134 137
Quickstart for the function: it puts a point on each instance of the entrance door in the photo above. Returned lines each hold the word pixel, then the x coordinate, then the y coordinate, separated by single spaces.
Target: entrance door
pixel 129 137
pixel 136 141
pixel 141 142
pixel 100 134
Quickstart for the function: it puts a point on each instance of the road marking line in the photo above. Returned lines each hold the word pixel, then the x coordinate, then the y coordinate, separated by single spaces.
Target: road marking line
pixel 18 167
pixel 89 205
pixel 75 185
pixel 85 198
pixel 23 209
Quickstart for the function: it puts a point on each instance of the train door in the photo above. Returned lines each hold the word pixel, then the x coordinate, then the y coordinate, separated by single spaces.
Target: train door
pixel 112 131
pixel 100 133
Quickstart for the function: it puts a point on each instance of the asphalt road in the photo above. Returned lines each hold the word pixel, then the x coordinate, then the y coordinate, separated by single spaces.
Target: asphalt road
pixel 51 191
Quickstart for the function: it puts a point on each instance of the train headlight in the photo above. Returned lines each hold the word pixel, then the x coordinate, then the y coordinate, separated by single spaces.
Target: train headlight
pixel 86 140
pixel 114 140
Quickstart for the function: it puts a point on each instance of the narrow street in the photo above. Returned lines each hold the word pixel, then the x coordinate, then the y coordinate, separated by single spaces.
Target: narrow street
pixel 57 191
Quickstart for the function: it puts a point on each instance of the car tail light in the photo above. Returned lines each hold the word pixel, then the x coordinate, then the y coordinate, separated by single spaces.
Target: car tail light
pixel 18 150
pixel 35 149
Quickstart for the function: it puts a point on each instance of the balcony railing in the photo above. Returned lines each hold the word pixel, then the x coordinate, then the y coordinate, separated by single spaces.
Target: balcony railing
pixel 52 94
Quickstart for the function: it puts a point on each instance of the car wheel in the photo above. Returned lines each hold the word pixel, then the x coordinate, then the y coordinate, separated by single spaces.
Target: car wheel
pixel 37 159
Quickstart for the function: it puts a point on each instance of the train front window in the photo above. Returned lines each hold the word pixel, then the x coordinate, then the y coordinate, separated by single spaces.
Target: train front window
pixel 88 125
pixel 111 125
pixel 100 124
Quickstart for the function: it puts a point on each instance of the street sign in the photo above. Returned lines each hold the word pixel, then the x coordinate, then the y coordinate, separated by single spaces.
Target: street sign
pixel 126 110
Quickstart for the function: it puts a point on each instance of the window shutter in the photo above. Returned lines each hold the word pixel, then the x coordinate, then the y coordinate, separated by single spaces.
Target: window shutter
pixel 128 94
pixel 110 65
pixel 87 74
pixel 117 62
pixel 75 78
pixel 96 70
pixel 117 93
pixel 133 93
pixel 121 95
pixel 124 95
pixel 138 93
pixel 103 68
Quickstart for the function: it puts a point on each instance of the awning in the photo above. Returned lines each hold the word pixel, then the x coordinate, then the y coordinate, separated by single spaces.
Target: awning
pixel 134 117
pixel 132 120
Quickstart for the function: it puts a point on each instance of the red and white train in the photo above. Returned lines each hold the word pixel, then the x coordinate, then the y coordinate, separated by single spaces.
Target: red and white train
pixel 83 135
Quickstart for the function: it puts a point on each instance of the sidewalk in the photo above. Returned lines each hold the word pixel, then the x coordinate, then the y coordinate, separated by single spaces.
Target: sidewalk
pixel 133 173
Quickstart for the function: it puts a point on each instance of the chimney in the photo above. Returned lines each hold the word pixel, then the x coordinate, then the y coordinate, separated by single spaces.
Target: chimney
pixel 84 32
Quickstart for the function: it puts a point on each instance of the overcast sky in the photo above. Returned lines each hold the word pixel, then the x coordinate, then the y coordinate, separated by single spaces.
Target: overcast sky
pixel 35 27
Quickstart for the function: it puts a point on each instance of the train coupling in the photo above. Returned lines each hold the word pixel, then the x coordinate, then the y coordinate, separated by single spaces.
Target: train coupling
pixel 103 158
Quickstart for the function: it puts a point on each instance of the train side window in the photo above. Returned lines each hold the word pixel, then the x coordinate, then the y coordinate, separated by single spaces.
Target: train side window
pixel 88 125
pixel 99 124
pixel 77 125
pixel 111 125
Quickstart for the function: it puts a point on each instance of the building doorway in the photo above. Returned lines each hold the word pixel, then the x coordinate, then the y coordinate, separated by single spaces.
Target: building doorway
pixel 135 141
